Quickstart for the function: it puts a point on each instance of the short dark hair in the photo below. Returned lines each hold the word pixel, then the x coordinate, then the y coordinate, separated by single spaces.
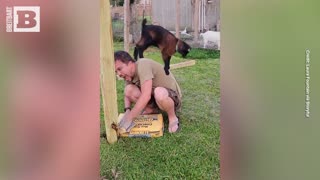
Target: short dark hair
pixel 123 56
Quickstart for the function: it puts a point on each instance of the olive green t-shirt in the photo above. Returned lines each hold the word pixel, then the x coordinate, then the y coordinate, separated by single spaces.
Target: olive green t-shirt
pixel 147 69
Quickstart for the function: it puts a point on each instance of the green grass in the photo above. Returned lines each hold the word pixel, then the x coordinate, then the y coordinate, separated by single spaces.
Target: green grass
pixel 202 54
pixel 193 153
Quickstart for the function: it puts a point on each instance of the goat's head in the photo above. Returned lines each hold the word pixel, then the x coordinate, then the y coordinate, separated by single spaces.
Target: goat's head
pixel 183 48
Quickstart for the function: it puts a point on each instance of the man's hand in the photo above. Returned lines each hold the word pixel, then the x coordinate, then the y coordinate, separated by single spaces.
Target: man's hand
pixel 126 123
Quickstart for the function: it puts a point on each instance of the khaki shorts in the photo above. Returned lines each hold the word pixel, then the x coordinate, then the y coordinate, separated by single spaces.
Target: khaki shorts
pixel 172 94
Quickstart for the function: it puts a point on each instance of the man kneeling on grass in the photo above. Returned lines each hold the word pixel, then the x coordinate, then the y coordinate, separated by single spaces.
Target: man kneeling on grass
pixel 149 88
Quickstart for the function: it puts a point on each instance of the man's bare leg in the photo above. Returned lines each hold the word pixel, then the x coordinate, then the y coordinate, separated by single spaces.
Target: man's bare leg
pixel 132 93
pixel 166 104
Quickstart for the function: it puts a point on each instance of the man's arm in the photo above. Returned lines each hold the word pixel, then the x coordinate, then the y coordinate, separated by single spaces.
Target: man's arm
pixel 143 100
pixel 127 103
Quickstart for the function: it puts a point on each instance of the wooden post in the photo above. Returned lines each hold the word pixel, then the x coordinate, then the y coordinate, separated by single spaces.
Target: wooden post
pixel 108 77
pixel 178 19
pixel 183 64
pixel 135 23
pixel 126 24
pixel 196 20
pixel 217 13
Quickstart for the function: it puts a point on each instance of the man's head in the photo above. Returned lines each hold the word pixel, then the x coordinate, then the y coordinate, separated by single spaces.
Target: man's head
pixel 124 65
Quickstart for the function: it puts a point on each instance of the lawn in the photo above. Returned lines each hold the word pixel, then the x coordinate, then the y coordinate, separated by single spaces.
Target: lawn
pixel 193 153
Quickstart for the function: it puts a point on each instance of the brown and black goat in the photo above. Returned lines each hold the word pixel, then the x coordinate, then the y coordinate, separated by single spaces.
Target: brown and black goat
pixel 153 35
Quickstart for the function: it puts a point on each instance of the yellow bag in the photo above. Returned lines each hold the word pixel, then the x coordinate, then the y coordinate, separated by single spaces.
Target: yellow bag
pixel 150 125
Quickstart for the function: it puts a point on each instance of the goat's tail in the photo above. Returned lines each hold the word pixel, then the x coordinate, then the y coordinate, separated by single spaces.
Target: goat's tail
pixel 144 22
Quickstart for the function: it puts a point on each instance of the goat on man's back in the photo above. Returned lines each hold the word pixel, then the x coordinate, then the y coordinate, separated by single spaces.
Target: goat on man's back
pixel 153 35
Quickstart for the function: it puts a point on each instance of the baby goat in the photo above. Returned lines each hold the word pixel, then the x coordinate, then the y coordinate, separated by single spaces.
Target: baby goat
pixel 211 36
pixel 152 35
